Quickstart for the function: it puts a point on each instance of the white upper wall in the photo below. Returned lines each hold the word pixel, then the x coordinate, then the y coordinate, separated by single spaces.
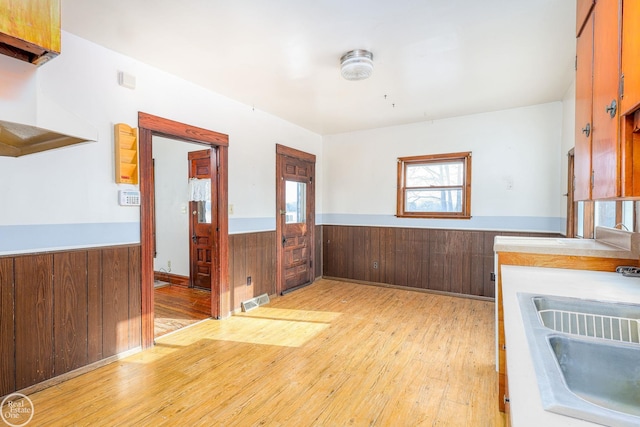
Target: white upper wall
pixel 515 165
pixel 75 185
pixel 523 148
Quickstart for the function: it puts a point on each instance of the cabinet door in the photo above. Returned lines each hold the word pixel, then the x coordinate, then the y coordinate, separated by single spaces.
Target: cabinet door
pixel 630 56
pixel 604 145
pixel 583 9
pixel 584 83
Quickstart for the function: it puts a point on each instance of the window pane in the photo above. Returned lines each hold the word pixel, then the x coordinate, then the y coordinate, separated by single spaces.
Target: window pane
pixel 580 222
pixel 605 214
pixel 434 174
pixel 443 200
pixel 204 212
pixel 627 214
pixel 296 202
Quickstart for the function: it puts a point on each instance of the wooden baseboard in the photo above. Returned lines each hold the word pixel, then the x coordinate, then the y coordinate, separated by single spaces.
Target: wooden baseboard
pixel 174 279
pixel 77 372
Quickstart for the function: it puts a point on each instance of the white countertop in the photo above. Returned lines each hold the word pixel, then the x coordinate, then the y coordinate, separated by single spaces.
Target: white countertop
pixel 526 406
pixel 559 246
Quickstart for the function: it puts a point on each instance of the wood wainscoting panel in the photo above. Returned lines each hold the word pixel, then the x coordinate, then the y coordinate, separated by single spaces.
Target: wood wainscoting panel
pixel 7 338
pixel 115 311
pixel 64 310
pixel 33 319
pixel 135 297
pixel 317 262
pixel 455 261
pixel 94 305
pixel 70 328
pixel 252 255
pixel 238 269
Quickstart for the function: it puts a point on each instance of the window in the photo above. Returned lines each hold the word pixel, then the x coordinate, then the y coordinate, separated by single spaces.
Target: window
pixel 435 186
pixel 620 214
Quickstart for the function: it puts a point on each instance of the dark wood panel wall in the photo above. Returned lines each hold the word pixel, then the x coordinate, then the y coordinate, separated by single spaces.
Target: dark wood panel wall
pixel 251 255
pixel 64 310
pixel 254 254
pixel 458 261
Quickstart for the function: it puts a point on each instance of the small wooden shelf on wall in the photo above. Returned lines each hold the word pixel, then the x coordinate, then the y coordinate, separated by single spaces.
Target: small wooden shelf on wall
pixel 126 144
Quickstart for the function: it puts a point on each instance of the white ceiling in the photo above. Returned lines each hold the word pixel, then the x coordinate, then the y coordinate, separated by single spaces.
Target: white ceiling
pixel 432 58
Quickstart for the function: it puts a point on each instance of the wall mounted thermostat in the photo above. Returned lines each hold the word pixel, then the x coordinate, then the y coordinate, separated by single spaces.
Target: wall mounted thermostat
pixel 129 198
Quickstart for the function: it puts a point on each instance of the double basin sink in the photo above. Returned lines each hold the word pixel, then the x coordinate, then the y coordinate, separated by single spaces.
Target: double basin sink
pixel 586 356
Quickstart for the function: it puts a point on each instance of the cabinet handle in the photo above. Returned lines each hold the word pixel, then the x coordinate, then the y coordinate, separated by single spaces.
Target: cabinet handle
pixel 587 130
pixel 611 109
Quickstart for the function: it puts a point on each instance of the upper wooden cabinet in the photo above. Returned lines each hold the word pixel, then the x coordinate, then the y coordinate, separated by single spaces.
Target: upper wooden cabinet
pixel 584 106
pixel 604 148
pixel 583 11
pixel 30 29
pixel 608 56
pixel 630 85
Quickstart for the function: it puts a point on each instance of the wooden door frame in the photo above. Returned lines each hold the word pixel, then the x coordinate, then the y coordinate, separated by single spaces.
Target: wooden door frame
pixel 148 126
pixel 307 157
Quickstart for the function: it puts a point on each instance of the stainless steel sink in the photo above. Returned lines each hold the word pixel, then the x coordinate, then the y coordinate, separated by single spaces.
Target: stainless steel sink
pixel 607 320
pixel 605 374
pixel 586 357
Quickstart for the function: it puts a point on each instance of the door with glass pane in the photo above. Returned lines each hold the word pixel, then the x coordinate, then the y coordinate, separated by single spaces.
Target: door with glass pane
pixel 200 219
pixel 296 218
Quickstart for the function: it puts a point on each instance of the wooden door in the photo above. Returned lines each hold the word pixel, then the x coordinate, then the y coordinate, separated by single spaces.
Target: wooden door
pixel 296 218
pixel 604 146
pixel 584 91
pixel 200 224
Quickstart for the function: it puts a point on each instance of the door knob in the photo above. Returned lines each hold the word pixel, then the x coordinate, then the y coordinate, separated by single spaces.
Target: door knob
pixel 611 109
pixel 587 130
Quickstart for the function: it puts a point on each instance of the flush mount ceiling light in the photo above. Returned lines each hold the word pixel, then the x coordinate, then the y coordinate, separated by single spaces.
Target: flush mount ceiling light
pixel 357 64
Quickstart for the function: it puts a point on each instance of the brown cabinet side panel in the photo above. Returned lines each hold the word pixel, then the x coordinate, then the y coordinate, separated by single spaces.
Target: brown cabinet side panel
pixel 34 319
pixel 94 305
pixel 135 298
pixel 115 302
pixel 70 311
pixel 7 343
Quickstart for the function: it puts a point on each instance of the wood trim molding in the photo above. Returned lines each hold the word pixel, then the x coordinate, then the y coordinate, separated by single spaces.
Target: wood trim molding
pixel 173 279
pixel 173 129
pixel 292 152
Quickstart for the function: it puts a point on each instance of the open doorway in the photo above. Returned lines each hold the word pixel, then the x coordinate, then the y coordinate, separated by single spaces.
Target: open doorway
pixel 182 233
pixel 177 133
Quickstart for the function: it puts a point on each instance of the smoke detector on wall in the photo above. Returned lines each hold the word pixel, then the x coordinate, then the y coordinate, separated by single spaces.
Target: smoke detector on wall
pixel 357 64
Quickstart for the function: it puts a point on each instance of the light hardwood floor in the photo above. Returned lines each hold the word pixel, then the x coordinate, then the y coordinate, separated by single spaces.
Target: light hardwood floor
pixel 331 354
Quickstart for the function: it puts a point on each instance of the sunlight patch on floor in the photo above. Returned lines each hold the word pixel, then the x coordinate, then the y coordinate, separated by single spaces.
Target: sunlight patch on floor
pixel 287 314
pixel 263 325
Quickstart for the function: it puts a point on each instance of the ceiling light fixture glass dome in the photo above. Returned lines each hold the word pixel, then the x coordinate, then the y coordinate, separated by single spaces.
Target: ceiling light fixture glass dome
pixel 357 64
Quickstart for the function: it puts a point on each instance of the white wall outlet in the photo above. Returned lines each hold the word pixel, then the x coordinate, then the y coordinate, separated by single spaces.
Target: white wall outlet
pixel 169 264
